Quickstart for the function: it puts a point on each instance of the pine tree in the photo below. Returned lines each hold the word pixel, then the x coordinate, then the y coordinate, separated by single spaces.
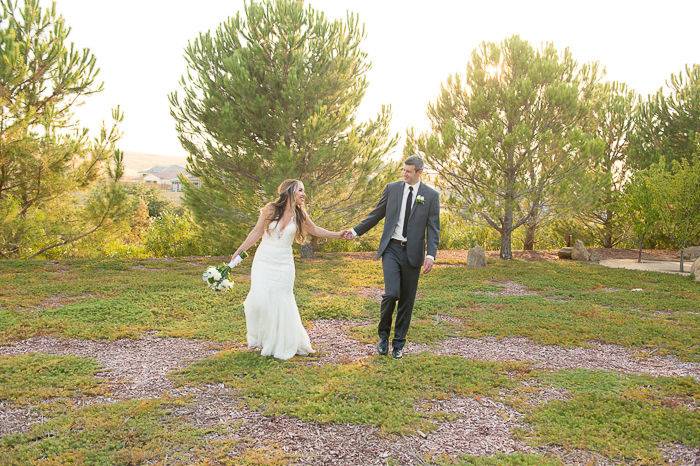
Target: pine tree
pixel 140 220
pixel 56 185
pixel 509 134
pixel 272 94
pixel 668 122
pixel 639 204
pixel 678 202
pixel 613 114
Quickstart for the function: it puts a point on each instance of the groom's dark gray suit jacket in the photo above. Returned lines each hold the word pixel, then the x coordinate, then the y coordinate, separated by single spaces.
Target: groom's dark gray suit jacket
pixel 423 221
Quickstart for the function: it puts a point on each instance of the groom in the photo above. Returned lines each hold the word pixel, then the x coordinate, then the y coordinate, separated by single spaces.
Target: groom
pixel 411 210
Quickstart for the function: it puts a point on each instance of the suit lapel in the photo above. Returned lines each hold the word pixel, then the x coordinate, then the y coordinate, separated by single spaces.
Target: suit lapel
pixel 421 192
pixel 399 193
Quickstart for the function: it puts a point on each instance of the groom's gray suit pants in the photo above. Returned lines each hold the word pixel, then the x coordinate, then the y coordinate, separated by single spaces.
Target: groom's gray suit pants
pixel 400 284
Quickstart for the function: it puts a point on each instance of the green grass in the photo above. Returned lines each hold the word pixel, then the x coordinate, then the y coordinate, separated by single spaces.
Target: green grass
pixel 128 432
pixel 577 322
pixel 379 392
pixel 625 417
pixel 35 377
pixel 268 456
pixel 590 382
pixel 114 299
pixel 119 300
pixel 515 459
pixel 322 305
pixel 569 307
pixel 615 427
pixel 621 416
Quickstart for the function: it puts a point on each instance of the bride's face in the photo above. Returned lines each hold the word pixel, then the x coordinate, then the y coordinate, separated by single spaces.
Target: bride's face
pixel 300 194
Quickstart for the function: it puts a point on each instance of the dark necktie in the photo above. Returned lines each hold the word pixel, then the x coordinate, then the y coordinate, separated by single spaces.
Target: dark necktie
pixel 407 213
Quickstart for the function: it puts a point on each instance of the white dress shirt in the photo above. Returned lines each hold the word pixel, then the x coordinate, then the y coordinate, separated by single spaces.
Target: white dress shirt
pixel 398 229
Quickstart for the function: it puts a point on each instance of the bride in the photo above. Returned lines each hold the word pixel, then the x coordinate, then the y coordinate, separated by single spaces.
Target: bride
pixel 271 314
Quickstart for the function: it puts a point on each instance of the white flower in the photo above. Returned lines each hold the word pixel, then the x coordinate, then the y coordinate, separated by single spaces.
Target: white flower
pixel 223 285
pixel 217 279
pixel 420 199
pixel 226 284
pixel 207 274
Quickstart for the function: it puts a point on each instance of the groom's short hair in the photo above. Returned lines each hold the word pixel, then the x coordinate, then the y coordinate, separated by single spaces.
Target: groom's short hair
pixel 416 161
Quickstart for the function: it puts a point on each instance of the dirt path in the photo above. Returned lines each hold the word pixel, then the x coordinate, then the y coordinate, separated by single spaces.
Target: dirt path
pixel 648 265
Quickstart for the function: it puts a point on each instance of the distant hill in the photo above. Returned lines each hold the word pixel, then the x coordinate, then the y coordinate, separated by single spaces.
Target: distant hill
pixel 166 172
pixel 137 162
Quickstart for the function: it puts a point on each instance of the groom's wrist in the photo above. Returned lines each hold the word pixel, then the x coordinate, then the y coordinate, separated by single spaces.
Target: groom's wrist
pixel 354 233
pixel 432 258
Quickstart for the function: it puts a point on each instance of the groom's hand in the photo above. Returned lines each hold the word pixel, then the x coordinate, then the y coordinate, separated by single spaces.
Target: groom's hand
pixel 428 264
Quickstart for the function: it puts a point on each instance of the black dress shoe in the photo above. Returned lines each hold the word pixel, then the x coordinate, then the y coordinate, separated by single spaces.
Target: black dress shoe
pixel 383 347
pixel 397 353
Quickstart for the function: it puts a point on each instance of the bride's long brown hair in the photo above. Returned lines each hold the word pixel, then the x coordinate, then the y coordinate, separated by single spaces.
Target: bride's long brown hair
pixel 286 191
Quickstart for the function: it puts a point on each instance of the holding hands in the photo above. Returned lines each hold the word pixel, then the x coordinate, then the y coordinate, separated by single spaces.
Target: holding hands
pixel 347 234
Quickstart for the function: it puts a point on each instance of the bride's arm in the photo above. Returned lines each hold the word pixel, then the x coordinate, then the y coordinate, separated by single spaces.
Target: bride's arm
pixel 315 230
pixel 255 234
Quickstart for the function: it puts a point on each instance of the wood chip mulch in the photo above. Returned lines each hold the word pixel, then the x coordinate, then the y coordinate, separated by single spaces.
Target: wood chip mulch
pixel 478 426
pixel 598 356
pixel 481 427
pixel 131 369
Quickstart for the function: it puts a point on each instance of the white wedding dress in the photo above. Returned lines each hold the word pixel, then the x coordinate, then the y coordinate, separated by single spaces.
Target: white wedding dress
pixel 271 314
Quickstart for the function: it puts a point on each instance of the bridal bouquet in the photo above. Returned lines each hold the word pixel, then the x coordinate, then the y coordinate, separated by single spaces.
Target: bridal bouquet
pixel 219 278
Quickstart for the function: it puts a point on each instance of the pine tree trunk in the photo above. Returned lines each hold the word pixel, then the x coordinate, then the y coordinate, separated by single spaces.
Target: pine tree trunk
pixel 681 259
pixel 506 234
pixel 639 256
pixel 529 242
pixel 607 230
pixel 506 251
pixel 530 230
pixel 507 228
pixel 308 250
pixel 607 241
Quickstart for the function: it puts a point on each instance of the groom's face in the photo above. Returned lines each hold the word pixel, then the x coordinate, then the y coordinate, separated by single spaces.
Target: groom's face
pixel 410 174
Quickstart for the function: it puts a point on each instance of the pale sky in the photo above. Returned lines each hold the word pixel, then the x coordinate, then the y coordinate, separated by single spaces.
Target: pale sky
pixel 413 46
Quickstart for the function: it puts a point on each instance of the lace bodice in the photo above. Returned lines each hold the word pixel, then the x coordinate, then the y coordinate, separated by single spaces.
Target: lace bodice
pixel 277 236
